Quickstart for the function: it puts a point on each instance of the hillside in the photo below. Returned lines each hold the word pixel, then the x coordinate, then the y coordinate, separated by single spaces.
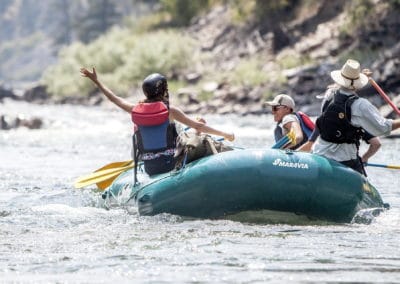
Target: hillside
pixel 292 50
pixel 315 40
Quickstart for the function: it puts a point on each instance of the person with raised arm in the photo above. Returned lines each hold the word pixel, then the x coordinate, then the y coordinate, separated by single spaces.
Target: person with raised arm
pixel 155 133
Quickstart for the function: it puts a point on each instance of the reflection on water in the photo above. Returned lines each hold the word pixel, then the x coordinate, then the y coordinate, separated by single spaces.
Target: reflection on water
pixel 51 232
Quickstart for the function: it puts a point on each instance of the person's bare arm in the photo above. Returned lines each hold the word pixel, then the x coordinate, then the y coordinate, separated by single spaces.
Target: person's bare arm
pixel 120 102
pixel 306 147
pixel 374 145
pixel 199 126
pixel 395 124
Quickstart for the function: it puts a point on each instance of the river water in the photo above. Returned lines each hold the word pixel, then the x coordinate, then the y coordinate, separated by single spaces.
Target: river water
pixel 53 233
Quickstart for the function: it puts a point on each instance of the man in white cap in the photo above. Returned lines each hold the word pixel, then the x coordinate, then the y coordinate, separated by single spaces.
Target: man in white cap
pixel 282 109
pixel 345 118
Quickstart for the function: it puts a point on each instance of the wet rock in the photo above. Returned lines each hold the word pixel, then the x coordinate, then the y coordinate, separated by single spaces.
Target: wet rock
pixel 31 123
pixel 210 87
pixel 187 96
pixel 6 93
pixel 7 122
pixel 192 78
pixel 36 94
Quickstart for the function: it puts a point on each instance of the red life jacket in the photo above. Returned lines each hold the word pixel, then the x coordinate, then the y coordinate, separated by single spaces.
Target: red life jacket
pixel 307 125
pixel 150 114
pixel 154 132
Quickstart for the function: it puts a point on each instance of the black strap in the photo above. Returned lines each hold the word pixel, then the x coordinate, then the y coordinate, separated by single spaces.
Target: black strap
pixel 135 158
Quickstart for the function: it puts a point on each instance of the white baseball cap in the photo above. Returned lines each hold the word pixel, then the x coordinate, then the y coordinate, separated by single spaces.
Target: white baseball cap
pixel 282 100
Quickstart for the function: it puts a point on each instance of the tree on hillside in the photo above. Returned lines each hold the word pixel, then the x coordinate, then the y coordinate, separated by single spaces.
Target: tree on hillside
pixel 6 19
pixel 182 11
pixel 100 15
pixel 270 15
pixel 27 23
pixel 61 31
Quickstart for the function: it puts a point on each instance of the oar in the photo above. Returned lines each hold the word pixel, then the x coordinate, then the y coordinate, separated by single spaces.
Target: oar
pixel 383 166
pixel 101 176
pixel 384 96
pixel 106 183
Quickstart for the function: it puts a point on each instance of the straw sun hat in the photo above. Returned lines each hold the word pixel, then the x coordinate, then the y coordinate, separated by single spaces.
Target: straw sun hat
pixel 350 76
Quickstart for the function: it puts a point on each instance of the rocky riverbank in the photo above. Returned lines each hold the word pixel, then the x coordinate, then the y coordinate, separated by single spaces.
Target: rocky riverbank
pixel 318 35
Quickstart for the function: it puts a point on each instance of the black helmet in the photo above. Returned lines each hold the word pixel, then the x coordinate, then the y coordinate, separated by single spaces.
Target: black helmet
pixel 154 85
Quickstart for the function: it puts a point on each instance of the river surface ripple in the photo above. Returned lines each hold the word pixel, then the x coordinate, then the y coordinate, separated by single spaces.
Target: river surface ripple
pixel 53 233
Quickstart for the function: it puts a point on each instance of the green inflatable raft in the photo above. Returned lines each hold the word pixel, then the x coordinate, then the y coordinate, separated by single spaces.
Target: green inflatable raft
pixel 251 180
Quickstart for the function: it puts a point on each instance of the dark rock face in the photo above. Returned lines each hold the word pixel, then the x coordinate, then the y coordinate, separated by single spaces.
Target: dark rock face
pixel 36 94
pixel 7 122
pixel 315 36
pixel 6 93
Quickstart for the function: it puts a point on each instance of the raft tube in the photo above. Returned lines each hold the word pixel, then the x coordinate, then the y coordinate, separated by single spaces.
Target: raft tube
pixel 250 180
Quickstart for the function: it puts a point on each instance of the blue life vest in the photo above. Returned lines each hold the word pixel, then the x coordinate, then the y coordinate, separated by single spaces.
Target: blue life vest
pixel 155 135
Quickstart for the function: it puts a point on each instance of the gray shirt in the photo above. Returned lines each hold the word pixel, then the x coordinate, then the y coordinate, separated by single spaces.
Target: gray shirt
pixel 291 117
pixel 364 115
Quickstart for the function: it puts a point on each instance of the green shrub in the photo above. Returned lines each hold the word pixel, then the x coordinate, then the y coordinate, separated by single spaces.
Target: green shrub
pixel 264 8
pixel 240 10
pixel 163 52
pixel 122 60
pixel 365 56
pixel 358 15
pixel 248 72
pixel 182 11
pixel 395 3
pixel 288 60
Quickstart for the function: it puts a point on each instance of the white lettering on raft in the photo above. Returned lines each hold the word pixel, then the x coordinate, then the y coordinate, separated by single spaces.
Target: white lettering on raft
pixel 280 163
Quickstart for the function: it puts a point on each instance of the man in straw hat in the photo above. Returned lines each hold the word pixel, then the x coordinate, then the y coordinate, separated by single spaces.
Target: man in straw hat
pixel 346 117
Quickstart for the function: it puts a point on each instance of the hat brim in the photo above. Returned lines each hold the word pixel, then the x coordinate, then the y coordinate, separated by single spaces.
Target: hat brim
pixel 272 103
pixel 340 80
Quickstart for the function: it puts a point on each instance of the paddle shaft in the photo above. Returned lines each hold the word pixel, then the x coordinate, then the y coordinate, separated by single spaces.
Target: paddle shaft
pixel 384 96
pixel 289 138
pixel 281 142
pixel 383 166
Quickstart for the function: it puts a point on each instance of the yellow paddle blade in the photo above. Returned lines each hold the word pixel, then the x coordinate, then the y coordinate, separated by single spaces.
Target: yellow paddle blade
pixel 100 176
pixel 102 185
pixel 292 137
pixel 115 165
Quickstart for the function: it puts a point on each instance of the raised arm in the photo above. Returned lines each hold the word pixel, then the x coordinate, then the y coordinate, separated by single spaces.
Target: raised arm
pixel 199 126
pixel 120 102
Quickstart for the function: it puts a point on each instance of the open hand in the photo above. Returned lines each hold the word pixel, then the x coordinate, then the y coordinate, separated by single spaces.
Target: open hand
pixel 201 120
pixel 230 137
pixel 367 72
pixel 91 75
